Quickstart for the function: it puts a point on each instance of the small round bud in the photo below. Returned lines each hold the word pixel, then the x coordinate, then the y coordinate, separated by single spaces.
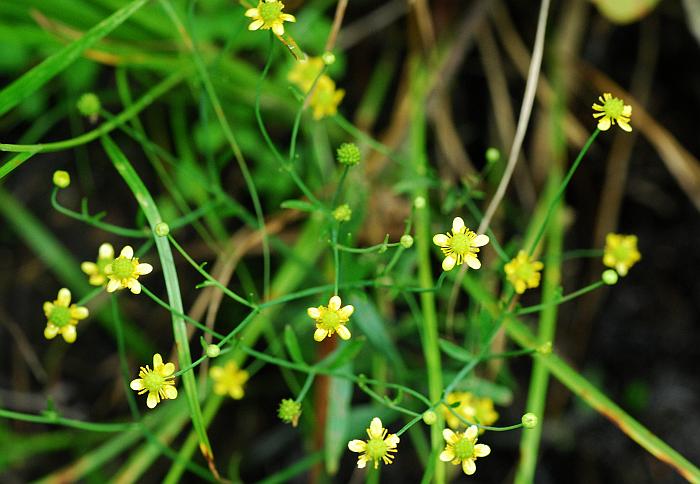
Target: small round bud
pixel 610 277
pixel 493 155
pixel 213 351
pixel 61 178
pixel 419 202
pixel 328 58
pixel 289 411
pixel 162 229
pixel 529 420
pixel 89 105
pixel 545 349
pixel 429 417
pixel 342 213
pixel 348 154
pixel 406 241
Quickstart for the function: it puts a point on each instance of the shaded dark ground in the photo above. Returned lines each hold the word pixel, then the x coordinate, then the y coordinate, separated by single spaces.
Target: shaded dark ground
pixel 640 341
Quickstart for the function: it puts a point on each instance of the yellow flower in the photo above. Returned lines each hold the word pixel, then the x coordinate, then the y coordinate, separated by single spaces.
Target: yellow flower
pixel 613 110
pixel 268 15
pixel 471 408
pixel 305 72
pixel 331 319
pixel 158 382
pixel 462 448
pixel 326 98
pixel 96 270
pixel 229 380
pixel 124 270
pixel 460 246
pixel 380 446
pixel 621 252
pixel 523 272
pixel 62 316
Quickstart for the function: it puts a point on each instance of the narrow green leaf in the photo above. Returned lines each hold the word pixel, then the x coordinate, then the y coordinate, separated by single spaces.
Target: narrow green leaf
pixel 298 205
pixel 26 85
pixel 338 412
pixel 292 344
pixel 14 162
pixel 455 352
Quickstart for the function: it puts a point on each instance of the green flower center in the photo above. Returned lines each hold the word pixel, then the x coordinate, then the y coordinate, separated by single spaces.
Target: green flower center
pixel 60 316
pixel 270 11
pixel 153 381
pixel 462 244
pixel 524 271
pixel 463 449
pixel 614 107
pixel 330 320
pixel 376 448
pixel 122 268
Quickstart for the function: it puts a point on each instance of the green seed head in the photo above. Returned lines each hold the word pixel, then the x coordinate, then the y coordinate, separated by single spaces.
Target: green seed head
pixel 289 411
pixel 610 277
pixel 406 241
pixel 460 243
pixel 614 107
pixel 348 154
pixel 60 316
pixel 89 104
pixel 376 448
pixel 342 213
pixel 493 155
pixel 463 449
pixel 122 268
pixel 270 11
pixel 153 381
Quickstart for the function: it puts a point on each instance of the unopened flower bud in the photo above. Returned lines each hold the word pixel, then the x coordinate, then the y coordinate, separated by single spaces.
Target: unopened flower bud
pixel 610 277
pixel 61 178
pixel 348 154
pixel 429 417
pixel 213 351
pixel 289 411
pixel 406 241
pixel 529 420
pixel 162 229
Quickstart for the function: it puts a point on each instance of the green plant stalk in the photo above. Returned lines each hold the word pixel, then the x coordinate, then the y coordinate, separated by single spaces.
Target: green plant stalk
pixel 431 349
pixel 30 82
pixel 56 419
pixel 157 91
pixel 147 204
pixel 14 162
pixel 539 380
pixel 580 386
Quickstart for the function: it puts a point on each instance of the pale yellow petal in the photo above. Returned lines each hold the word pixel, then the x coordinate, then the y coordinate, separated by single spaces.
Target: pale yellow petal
pixel 137 384
pixel 48 308
pixel 79 312
pixel 278 28
pixel 106 251
pixel 113 285
pixel 127 252
pixel 313 313
pixel 473 262
pixel 440 240
pixel 457 225
pixel 69 333
pixel 471 433
pixel 481 450
pixel 170 392
pixel 134 286
pixel 89 268
pixel 167 369
pixel 480 240
pixel 63 298
pixel 320 334
pixel 604 123
pixel 448 435
pixel 157 361
pixel 627 110
pixel 152 400
pixel 376 429
pixel 447 455
pixel 624 125
pixel 50 331
pixel 362 461
pixel 252 12
pixel 255 25
pixel 357 445
pixel 469 467
pixel 334 303
pixel 346 311
pixel 288 17
pixel 343 332
pixel 143 269
pixel 448 263
pixel 392 440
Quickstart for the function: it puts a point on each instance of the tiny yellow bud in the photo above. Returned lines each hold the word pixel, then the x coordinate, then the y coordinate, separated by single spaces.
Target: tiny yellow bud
pixel 342 213
pixel 429 417
pixel 162 229
pixel 213 351
pixel 328 58
pixel 610 277
pixel 529 420
pixel 61 178
pixel 406 241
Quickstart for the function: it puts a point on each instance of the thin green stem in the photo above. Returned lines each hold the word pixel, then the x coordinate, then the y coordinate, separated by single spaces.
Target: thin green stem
pixel 55 419
pixel 557 301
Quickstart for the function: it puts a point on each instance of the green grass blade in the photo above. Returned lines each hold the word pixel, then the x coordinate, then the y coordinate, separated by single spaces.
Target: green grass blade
pixel 148 205
pixel 26 85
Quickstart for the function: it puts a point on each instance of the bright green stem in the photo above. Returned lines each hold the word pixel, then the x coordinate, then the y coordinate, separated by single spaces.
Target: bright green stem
pixel 524 337
pixel 431 349
pixel 539 381
pixel 555 201
pixel 147 204
pixel 55 419
pixel 158 90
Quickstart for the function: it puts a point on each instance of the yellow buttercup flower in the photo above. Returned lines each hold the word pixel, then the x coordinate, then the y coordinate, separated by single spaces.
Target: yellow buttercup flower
pixel 158 382
pixel 331 319
pixel 62 317
pixel 523 272
pixel 268 15
pixel 124 271
pixel 305 72
pixel 462 449
pixel 325 98
pixel 460 246
pixel 621 252
pixel 612 110
pixel 96 270
pixel 229 380
pixel 379 447
pixel 471 408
